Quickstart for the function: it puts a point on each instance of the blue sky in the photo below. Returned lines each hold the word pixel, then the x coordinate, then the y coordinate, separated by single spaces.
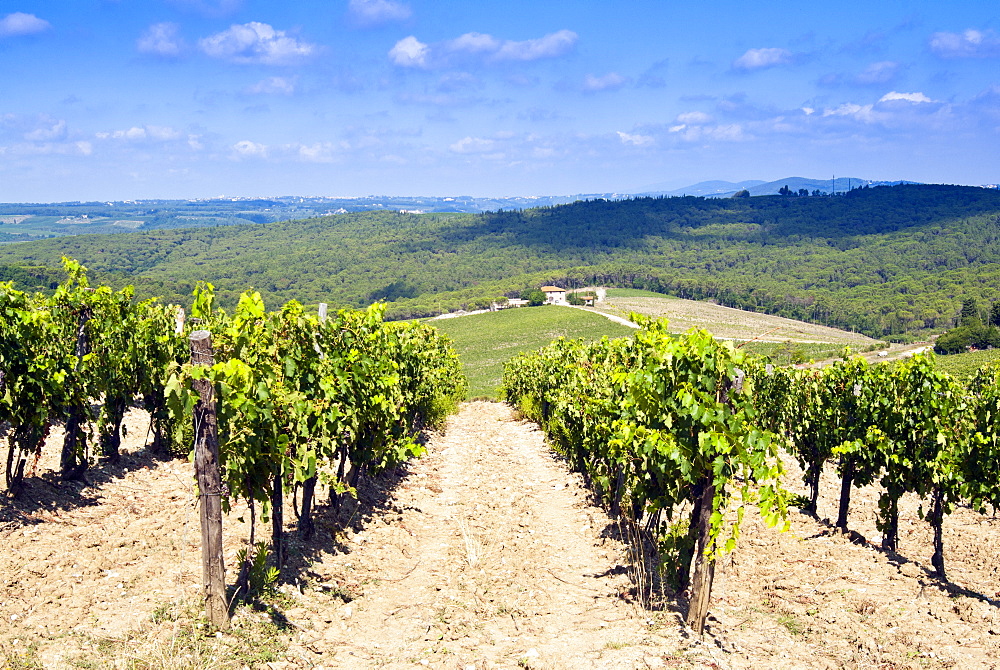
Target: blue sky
pixel 106 99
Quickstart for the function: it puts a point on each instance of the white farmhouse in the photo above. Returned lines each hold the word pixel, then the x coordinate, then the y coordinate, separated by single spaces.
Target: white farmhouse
pixel 554 295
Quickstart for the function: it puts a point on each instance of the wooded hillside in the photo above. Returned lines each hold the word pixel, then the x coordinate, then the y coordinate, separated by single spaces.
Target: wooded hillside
pixel 886 261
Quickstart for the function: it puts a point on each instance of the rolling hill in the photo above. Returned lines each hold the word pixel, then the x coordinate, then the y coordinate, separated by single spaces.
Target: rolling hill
pixel 887 261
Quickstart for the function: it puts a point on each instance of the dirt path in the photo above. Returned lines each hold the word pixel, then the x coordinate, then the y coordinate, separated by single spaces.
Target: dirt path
pixel 484 554
pixel 491 557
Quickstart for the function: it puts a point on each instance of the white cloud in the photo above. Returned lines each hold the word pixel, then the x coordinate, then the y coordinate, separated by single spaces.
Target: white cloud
pixel 863 113
pixel 550 46
pixel 19 23
pixel 256 42
pixel 908 97
pixel 40 136
pixel 693 133
pixel 163 133
pixel 143 133
pixel 246 148
pixel 321 152
pixel 456 81
pixel 133 133
pixel 729 131
pixel 49 133
pixel 79 148
pixel 473 145
pixel 971 43
pixel 474 43
pixel 273 86
pixel 892 111
pixel 694 118
pixel 367 13
pixel 448 100
pixel 634 140
pixel 755 59
pixel 409 52
pixel 608 82
pixel 878 73
pixel 161 39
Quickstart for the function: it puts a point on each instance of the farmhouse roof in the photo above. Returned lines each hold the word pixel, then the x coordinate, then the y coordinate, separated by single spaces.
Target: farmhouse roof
pixel 552 289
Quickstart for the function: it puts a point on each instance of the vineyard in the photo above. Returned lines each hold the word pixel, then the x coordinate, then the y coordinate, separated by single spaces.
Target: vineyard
pixel 302 399
pixel 689 445
pixel 679 435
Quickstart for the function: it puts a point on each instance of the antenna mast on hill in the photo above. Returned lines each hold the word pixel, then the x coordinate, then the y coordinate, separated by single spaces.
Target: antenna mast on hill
pixel 833 184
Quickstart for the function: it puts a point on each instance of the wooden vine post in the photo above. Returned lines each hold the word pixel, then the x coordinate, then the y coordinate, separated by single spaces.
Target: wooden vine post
pixel 704 565
pixel 206 465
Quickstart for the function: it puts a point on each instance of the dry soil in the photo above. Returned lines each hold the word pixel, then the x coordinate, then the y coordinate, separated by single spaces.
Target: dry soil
pixel 486 553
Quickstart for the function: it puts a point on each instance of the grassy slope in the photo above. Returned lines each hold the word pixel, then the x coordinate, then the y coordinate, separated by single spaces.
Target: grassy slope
pixel 631 293
pixel 485 342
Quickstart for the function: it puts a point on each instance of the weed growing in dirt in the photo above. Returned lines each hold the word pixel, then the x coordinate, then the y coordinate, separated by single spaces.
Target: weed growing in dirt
pixel 257 579
pixel 17 654
pixel 793 625
pixel 178 638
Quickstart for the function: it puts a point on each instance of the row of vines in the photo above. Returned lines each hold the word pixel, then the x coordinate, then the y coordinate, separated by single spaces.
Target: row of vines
pixel 906 427
pixel 302 400
pixel 81 357
pixel 666 431
pixel 306 400
pixel 677 434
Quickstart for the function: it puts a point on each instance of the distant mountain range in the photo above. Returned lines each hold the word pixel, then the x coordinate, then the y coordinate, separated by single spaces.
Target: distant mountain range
pixel 725 189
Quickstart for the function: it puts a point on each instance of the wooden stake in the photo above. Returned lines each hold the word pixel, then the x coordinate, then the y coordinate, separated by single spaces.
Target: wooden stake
pixel 206 466
pixel 704 565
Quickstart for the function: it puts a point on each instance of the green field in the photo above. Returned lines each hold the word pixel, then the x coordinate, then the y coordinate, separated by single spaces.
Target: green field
pixel 632 293
pixel 965 365
pixel 485 342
